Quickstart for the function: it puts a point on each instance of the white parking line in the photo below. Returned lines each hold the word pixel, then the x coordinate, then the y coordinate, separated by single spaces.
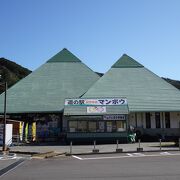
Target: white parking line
pixel 3 158
pixel 77 157
pixel 165 153
pixel 138 154
pixel 129 155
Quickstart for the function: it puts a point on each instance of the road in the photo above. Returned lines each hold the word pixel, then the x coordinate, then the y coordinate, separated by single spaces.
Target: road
pixel 131 166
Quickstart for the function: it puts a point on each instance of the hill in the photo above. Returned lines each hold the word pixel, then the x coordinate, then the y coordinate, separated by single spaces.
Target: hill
pixel 11 72
pixel 173 82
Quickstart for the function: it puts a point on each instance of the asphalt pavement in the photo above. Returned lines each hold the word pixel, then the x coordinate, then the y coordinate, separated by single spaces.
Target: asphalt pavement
pixel 9 161
pixel 140 167
pixel 154 162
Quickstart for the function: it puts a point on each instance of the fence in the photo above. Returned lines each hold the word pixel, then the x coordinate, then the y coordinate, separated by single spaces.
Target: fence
pixel 119 148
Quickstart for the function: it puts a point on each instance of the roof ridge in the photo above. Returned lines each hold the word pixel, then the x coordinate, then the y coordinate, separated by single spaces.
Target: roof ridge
pixel 64 56
pixel 126 61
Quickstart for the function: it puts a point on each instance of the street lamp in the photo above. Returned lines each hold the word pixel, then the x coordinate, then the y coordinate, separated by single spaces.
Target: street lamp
pixel 4 147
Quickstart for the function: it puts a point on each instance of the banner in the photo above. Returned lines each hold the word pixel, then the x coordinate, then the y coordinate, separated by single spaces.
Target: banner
pixel 96 102
pixel 96 109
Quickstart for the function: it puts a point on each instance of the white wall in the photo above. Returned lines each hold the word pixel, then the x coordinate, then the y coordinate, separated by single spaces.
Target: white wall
pixel 153 123
pixel 175 119
pixel 141 120
pixel 132 121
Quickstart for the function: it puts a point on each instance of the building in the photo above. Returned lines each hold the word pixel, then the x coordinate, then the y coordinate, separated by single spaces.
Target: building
pixel 153 104
pixel 65 97
pixel 40 96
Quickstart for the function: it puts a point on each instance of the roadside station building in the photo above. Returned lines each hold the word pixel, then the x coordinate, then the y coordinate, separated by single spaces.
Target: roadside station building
pixel 40 96
pixel 65 97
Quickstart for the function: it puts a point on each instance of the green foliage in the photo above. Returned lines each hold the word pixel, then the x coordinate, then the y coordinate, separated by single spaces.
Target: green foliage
pixel 11 72
pixel 173 82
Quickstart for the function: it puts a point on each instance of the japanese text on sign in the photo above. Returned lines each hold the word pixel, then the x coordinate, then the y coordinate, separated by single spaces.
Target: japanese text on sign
pixel 97 102
pixel 114 117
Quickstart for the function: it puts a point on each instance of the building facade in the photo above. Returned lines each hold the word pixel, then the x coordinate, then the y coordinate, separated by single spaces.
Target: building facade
pixel 68 101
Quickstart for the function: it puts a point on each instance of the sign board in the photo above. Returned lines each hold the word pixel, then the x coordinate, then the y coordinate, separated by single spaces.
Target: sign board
pixel 96 102
pixel 114 117
pixel 9 129
pixel 96 109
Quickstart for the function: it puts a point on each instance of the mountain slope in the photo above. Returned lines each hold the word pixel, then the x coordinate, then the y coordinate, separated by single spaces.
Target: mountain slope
pixel 11 72
pixel 173 82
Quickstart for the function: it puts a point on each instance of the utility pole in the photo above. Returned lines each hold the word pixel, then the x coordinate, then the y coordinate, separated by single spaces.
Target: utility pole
pixel 4 148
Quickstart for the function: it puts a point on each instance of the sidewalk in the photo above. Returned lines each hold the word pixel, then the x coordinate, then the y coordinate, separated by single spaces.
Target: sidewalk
pixel 83 149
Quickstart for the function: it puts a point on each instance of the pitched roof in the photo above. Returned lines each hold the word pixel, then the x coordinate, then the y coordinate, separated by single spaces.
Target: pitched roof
pixel 64 56
pixel 46 88
pixel 144 90
pixel 126 62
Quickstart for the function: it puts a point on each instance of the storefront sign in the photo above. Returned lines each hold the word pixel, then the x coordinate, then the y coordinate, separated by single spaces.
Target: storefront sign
pixel 96 102
pixel 96 109
pixel 114 117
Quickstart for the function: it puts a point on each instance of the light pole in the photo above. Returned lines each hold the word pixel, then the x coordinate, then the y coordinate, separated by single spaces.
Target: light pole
pixel 4 147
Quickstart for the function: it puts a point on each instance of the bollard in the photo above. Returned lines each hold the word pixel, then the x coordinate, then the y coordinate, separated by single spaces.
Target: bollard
pixel 95 150
pixel 117 147
pixel 139 149
pixel 70 147
pixel 160 144
pixel 139 143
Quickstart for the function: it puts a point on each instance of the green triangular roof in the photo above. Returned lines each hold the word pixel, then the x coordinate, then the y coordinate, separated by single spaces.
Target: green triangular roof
pixel 64 56
pixel 144 90
pixel 46 88
pixel 126 61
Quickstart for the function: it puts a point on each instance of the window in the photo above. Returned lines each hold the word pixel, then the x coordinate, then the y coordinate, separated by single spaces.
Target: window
pixel 121 126
pixel 96 126
pixel 114 127
pixel 167 120
pixel 101 126
pixel 92 126
pixel 157 119
pixel 109 126
pixel 148 120
pixel 82 126
pixel 73 126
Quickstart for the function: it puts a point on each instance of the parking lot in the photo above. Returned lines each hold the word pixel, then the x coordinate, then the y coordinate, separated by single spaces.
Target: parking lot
pixel 126 155
pixel 125 166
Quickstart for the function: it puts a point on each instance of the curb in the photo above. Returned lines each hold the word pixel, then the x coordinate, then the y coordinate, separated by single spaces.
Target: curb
pixel 45 155
pixel 39 155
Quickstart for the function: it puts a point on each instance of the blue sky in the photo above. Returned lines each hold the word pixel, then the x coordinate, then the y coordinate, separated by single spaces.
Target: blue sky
pixel 97 31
